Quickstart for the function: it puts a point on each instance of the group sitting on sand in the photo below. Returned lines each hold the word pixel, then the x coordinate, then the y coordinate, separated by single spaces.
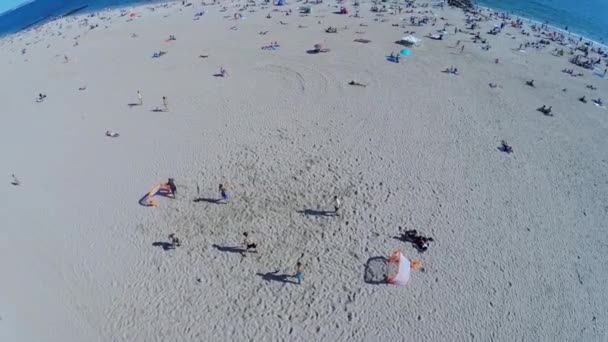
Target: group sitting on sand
pixel 545 110
pixel 451 70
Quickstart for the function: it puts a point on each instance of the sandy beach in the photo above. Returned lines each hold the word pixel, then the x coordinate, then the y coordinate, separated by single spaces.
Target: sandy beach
pixel 519 238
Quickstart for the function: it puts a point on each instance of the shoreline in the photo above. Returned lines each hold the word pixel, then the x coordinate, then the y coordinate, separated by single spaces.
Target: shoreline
pixel 552 27
pixel 80 10
pixel 34 25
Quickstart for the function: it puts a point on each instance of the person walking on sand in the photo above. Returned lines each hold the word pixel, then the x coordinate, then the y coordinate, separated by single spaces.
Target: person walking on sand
pixel 140 98
pixel 299 274
pixel 165 104
pixel 461 49
pixel 336 205
pixel 223 193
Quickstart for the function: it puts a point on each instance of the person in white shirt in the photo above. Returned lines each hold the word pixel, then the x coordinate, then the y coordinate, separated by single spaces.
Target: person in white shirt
pixel 336 205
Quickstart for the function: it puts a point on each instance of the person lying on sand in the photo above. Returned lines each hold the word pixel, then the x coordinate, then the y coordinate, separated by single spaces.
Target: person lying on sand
pixel 356 83
pixel 203 56
pixel 493 85
pixel 111 134
pixel 419 241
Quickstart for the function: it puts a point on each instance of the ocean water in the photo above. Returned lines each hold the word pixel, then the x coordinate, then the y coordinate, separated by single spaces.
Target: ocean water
pixel 588 18
pixel 33 12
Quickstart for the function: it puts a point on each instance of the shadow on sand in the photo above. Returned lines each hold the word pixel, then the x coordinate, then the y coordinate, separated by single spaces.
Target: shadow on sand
pixel 143 202
pixel 208 200
pixel 229 249
pixel 376 270
pixel 275 276
pixel 164 245
pixel 315 212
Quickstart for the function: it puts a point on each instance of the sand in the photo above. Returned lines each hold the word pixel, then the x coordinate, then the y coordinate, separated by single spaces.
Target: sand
pixel 519 238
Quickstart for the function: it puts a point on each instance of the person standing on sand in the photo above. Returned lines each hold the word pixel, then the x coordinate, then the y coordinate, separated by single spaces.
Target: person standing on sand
pixel 461 49
pixel 140 98
pixel 299 274
pixel 336 205
pixel 248 244
pixel 165 104
pixel 223 193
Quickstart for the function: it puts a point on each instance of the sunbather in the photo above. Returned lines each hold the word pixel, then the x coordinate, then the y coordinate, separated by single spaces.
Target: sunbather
pixel 355 83
pixel 419 241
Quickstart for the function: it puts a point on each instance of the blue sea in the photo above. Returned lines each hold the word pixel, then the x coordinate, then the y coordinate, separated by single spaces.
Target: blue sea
pixel 16 15
pixel 588 18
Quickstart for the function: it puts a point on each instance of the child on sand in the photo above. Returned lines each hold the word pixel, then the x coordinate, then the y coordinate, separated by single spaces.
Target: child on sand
pixel 336 205
pixel 172 187
pixel 299 275
pixel 165 104
pixel 223 193
pixel 175 242
pixel 248 244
